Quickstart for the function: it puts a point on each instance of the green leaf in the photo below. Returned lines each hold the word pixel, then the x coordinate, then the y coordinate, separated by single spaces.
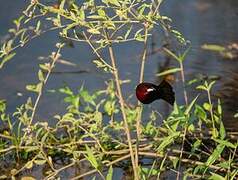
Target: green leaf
pixel 211 84
pixel 66 90
pixel 175 162
pixel 37 29
pixel 94 31
pixel 82 14
pixel 29 165
pixel 41 75
pixel 222 130
pixel 138 33
pixel 109 107
pixel 6 58
pixel 98 117
pixel 100 64
pixel 17 22
pixel 86 97
pixel 172 54
pixel 215 155
pixel 219 108
pixel 35 88
pixel 114 2
pixel 216 177
pixel 200 113
pixel 174 125
pixel 45 66
pixel 31 87
pixel 226 143
pixel 139 37
pixel 122 14
pixel 214 133
pixel 182 58
pixel 32 148
pixel 167 141
pixel 192 81
pixel 110 173
pixel 179 37
pixel 207 106
pixel 196 145
pixel 91 158
pixel 201 87
pixel 188 109
pixel 176 109
pixel 40 162
pixel 225 164
pixel 169 71
pixel 101 13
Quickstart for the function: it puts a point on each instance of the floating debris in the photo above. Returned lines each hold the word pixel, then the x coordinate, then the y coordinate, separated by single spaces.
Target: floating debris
pixel 61 61
pixel 227 52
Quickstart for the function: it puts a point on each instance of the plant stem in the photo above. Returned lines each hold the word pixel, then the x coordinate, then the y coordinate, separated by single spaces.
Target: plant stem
pixel 138 121
pixel 54 59
pixel 211 109
pixel 95 51
pixel 121 101
pixel 52 175
pixel 185 131
pixel 183 80
pixel 181 151
pixel 142 69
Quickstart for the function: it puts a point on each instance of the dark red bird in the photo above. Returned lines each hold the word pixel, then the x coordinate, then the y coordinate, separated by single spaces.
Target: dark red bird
pixel 148 92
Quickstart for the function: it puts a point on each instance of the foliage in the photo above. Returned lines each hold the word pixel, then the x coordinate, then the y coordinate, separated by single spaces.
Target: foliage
pixel 98 128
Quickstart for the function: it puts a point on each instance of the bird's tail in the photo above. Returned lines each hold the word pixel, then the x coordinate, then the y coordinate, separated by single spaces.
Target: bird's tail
pixel 166 92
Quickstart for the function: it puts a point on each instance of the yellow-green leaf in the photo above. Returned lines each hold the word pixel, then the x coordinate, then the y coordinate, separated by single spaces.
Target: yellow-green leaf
pixel 110 173
pixel 29 165
pixel 215 155
pixel 6 58
pixel 169 71
pixel 114 2
pixel 40 162
pixel 41 75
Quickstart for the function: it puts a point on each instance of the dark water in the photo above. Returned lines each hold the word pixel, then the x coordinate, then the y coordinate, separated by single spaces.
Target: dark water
pixel 212 22
pixel 201 21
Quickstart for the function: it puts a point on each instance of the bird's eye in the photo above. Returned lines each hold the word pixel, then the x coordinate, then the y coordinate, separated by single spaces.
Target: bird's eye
pixel 150 89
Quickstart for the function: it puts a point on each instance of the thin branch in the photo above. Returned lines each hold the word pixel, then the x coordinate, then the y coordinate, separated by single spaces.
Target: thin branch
pixel 54 59
pixel 55 56
pixel 189 161
pixel 95 51
pixel 52 175
pixel 122 104
pixel 85 174
pixel 138 122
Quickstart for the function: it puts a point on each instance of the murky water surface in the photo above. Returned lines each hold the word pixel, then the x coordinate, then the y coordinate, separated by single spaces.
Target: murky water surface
pixel 201 21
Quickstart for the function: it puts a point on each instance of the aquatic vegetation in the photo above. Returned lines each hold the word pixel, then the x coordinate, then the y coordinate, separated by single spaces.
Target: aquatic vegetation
pixel 101 130
pixel 227 52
